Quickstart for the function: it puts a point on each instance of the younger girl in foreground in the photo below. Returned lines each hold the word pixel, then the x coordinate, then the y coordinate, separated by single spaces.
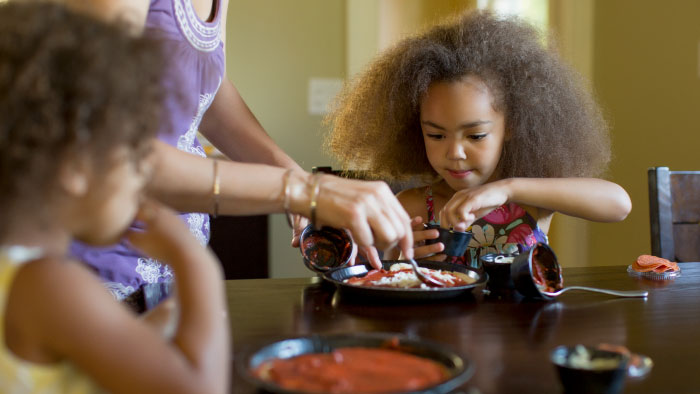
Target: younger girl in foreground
pixel 501 130
pixel 80 102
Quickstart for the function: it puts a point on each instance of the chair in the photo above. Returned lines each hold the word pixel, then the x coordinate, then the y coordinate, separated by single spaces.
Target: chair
pixel 674 214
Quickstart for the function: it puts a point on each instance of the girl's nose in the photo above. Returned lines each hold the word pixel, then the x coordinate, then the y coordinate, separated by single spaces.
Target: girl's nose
pixel 456 151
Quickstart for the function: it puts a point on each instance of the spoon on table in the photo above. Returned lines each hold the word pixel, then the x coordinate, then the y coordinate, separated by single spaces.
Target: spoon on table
pixel 619 293
pixel 427 279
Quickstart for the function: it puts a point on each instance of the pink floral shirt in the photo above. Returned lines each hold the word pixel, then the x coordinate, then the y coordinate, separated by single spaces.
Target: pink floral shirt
pixel 507 229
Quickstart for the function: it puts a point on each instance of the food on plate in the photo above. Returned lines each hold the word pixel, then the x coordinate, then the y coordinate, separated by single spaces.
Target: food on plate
pixel 401 275
pixel 647 263
pixel 353 370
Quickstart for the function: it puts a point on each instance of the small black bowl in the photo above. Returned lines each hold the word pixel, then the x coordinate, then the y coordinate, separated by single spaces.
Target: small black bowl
pixel 527 282
pixel 497 266
pixel 455 242
pixel 325 248
pixel 585 379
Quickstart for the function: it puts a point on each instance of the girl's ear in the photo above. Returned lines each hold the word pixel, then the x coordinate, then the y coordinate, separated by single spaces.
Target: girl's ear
pixel 74 176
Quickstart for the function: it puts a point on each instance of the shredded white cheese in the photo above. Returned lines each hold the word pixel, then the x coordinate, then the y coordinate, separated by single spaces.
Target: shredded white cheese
pixel 581 358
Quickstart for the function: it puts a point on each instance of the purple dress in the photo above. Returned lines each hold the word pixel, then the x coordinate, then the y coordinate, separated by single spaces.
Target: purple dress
pixel 195 68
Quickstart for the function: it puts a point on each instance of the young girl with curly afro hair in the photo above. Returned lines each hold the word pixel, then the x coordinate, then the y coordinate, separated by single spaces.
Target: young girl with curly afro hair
pixel 502 132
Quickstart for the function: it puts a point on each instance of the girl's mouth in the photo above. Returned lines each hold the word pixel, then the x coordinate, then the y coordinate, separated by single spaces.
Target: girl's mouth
pixel 459 174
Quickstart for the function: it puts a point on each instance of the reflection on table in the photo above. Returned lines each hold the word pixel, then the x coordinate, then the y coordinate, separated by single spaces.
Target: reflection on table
pixel 508 337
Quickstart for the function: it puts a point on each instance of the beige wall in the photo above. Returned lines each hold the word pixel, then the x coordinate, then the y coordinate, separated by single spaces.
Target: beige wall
pixel 641 54
pixel 646 74
pixel 273 47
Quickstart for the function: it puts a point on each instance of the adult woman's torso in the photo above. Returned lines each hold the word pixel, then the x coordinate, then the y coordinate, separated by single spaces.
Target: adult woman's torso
pixel 193 74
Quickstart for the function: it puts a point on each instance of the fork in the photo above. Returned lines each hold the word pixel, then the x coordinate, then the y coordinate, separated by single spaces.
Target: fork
pixel 428 280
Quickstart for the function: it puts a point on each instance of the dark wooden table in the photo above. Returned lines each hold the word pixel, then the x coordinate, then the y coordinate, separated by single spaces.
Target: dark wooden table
pixel 508 338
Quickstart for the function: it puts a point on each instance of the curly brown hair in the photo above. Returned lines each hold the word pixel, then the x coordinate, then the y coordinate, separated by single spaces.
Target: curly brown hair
pixel 556 129
pixel 70 85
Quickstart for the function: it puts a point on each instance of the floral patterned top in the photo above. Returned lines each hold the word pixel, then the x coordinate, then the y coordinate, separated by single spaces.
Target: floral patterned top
pixel 506 229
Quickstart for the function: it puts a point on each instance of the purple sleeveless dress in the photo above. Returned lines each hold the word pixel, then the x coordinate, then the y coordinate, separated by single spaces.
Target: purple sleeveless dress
pixel 195 69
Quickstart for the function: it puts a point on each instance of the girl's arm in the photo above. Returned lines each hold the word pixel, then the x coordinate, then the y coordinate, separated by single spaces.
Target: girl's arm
pixel 368 209
pixel 73 318
pixel 587 198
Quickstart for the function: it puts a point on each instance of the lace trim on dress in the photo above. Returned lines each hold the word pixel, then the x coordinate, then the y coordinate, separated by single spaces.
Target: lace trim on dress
pixel 186 18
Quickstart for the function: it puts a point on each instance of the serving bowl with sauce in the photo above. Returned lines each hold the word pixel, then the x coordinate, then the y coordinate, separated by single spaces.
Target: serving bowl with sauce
pixel 355 363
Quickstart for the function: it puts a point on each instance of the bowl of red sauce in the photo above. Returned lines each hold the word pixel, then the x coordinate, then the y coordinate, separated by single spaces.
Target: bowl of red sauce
pixel 536 271
pixel 325 248
pixel 355 363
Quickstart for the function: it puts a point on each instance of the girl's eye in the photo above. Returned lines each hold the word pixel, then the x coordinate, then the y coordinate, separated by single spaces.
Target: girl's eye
pixel 435 136
pixel 477 137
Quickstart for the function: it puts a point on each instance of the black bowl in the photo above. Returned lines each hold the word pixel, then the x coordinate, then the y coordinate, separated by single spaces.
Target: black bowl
pixel 523 276
pixel 459 368
pixel 325 248
pixel 455 242
pixel 582 380
pixel 497 266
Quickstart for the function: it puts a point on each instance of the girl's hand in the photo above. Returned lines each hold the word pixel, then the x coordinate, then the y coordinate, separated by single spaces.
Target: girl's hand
pixel 164 236
pixel 420 234
pixel 468 205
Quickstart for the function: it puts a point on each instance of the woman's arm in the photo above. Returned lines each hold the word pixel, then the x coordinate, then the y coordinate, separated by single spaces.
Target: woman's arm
pixel 587 198
pixel 233 129
pixel 368 209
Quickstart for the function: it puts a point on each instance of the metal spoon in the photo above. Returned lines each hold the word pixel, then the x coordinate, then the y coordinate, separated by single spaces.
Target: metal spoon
pixel 619 293
pixel 430 281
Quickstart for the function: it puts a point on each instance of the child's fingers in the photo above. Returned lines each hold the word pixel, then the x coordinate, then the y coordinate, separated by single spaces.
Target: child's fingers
pixel 428 250
pixel 417 223
pixel 422 235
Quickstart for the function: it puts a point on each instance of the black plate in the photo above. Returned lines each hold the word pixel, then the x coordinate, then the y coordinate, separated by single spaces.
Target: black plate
pixel 338 275
pixel 459 368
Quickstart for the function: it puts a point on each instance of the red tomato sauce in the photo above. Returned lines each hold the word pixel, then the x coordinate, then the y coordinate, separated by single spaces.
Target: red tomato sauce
pixel 354 370
pixel 547 277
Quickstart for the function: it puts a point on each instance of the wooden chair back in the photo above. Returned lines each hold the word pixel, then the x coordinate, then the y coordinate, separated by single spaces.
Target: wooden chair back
pixel 674 213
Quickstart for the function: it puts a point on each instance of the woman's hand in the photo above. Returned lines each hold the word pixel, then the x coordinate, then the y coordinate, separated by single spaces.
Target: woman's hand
pixel 369 210
pixel 468 205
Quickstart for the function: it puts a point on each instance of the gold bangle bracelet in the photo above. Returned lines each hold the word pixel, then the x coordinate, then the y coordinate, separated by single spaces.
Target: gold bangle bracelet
pixel 286 189
pixel 216 188
pixel 315 190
